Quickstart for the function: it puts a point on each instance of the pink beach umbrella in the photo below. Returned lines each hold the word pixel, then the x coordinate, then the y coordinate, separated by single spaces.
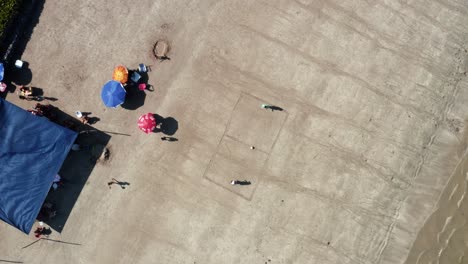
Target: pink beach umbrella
pixel 147 123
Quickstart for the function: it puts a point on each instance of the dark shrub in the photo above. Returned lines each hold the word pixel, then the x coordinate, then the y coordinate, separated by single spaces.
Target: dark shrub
pixel 8 10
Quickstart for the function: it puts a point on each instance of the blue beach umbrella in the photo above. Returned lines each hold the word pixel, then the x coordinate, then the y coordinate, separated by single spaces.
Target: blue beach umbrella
pixel 2 71
pixel 113 94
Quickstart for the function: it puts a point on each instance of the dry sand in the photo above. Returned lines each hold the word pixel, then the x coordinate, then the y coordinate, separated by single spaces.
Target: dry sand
pixel 374 94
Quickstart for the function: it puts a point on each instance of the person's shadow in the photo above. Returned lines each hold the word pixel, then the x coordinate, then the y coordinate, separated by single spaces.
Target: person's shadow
pixel 244 182
pixel 123 184
pixel 52 99
pixel 276 108
pixel 170 139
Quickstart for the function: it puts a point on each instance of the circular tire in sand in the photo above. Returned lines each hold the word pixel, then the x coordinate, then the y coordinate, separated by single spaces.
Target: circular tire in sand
pixel 160 49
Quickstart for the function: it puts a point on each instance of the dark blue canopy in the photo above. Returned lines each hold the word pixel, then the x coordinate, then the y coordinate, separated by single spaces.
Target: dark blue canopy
pixel 32 150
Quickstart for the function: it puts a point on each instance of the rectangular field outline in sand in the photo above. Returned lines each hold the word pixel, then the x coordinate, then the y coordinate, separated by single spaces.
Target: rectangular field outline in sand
pixel 229 137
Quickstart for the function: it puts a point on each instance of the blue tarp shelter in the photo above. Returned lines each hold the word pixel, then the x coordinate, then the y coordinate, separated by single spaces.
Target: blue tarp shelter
pixel 32 150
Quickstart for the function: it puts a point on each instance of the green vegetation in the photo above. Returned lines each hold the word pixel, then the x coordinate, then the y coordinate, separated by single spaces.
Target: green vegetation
pixel 8 10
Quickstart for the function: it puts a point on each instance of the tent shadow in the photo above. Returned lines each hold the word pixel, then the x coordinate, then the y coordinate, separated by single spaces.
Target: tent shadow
pixel 76 168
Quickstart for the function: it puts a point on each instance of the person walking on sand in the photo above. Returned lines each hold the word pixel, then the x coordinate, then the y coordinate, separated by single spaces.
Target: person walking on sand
pixel 271 107
pixel 267 106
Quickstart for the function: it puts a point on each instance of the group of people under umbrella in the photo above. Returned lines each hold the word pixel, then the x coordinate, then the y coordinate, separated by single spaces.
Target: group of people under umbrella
pixel 113 94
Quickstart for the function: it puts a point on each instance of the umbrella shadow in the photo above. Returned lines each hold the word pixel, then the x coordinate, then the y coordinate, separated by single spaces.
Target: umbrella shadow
pixel 135 98
pixel 22 76
pixel 144 77
pixel 159 119
pixel 37 91
pixel 167 125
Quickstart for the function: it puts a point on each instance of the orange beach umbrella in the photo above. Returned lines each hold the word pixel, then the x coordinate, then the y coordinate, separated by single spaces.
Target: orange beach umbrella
pixel 120 74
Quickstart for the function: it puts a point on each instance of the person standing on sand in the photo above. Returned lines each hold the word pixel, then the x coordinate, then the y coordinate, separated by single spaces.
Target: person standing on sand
pixel 237 182
pixel 39 230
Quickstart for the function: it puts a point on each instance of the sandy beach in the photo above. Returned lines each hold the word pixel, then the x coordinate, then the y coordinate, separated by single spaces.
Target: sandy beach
pixel 365 164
